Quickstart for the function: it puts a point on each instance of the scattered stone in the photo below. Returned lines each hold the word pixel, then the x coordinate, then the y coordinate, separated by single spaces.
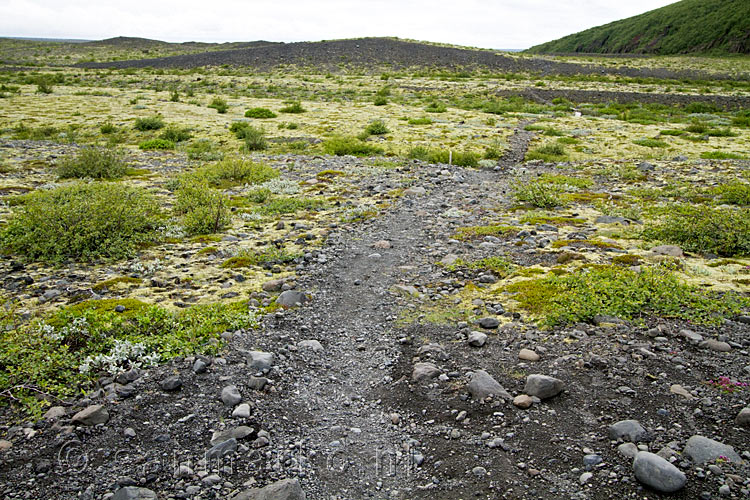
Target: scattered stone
pixel 543 386
pixel 257 383
pixel 449 259
pixel 5 444
pixel 479 471
pixel 129 376
pixel 286 489
pixel 222 449
pixel 482 385
pixel 133 493
pixel 273 285
pixel 424 371
pixel 701 449
pixel 230 395
pixel 129 432
pixel 292 298
pixel 311 344
pixel 629 450
pixel 242 411
pixel 477 339
pixel 658 473
pixel 200 366
pixel 585 477
pixel 680 391
pixel 611 219
pixel 528 355
pixel 237 433
pixel 743 418
pixel 669 250
pixel 630 430
pixel 407 290
pixel 54 413
pixel 171 383
pixel 259 361
pixel 523 401
pixel 382 244
pixel 489 323
pixel 91 415
pixel 717 345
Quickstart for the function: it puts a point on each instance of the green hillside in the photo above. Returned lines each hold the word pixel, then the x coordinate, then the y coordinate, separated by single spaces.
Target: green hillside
pixel 688 26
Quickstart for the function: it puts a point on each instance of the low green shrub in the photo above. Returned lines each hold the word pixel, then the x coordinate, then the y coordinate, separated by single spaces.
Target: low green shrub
pixel 293 107
pixel 380 101
pixel 156 144
pixel 650 143
pixel 289 205
pixel 435 107
pixel 233 171
pixel 721 132
pixel 721 155
pixel 95 163
pixel 176 134
pixel 703 229
pixel 458 158
pixel 423 120
pixel 377 127
pixel 734 193
pixel 538 193
pixel 265 258
pixel 201 208
pixel 82 222
pixel 552 152
pixel 149 123
pixel 219 104
pixel 696 128
pixel 261 113
pixel 64 353
pixel 108 128
pixel 204 150
pixel 621 292
pixel 345 145
pixel 672 132
pixel 255 139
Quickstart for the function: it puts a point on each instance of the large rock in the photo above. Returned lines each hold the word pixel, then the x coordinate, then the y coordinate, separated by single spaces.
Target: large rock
pixel 656 472
pixel 424 371
pixel 222 449
pixel 287 489
pixel 701 449
pixel 743 417
pixel 237 433
pixel 291 298
pixel 628 430
pixel 91 415
pixel 55 412
pixel 543 386
pixel 259 361
pixel 172 383
pixel 669 250
pixel 477 339
pixel 482 385
pixel 230 395
pixel 133 493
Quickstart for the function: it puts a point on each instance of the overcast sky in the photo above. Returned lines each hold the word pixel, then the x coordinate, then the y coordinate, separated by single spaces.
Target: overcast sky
pixel 499 24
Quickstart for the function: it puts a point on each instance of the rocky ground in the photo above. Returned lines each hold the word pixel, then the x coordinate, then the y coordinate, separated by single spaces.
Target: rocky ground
pixel 352 391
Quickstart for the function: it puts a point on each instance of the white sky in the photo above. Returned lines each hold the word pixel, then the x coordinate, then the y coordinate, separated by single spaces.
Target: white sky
pixel 500 24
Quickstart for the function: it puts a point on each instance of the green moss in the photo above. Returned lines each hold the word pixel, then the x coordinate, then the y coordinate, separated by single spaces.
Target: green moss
pixel 533 218
pixel 499 265
pixel 626 260
pixel 207 251
pixel 475 232
pixel 206 238
pixel 618 291
pixel 289 205
pixel 272 256
pixel 584 243
pixel 111 283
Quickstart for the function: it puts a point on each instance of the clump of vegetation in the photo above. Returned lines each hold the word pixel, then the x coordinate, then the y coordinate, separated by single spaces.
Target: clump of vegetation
pixel 552 152
pixel 66 351
pixel 734 193
pixel 203 149
pixel 266 258
pixel 254 137
pixel 82 222
pixel 260 113
pixel 650 143
pixel 108 128
pixel 380 100
pixel 156 144
pixel 476 232
pixel 618 291
pixel 176 134
pixel 202 209
pixel 422 120
pixel 23 132
pixel 94 163
pixel 219 104
pixel 721 155
pixel 435 107
pixel 458 158
pixel 293 107
pixel 234 171
pixel 721 132
pixel 346 145
pixel 498 265
pixel 538 193
pixel 149 123
pixel 376 127
pixel 703 229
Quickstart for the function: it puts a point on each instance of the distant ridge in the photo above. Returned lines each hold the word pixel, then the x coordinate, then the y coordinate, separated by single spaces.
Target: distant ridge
pixel 381 54
pixel 686 27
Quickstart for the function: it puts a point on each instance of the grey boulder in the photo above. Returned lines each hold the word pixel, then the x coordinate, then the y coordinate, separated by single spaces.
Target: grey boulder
pixel 259 360
pixel 91 415
pixel 286 489
pixel 701 449
pixel 628 430
pixel 543 386
pixel 656 472
pixel 482 385
pixel 291 298
pixel 133 493
pixel 424 371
